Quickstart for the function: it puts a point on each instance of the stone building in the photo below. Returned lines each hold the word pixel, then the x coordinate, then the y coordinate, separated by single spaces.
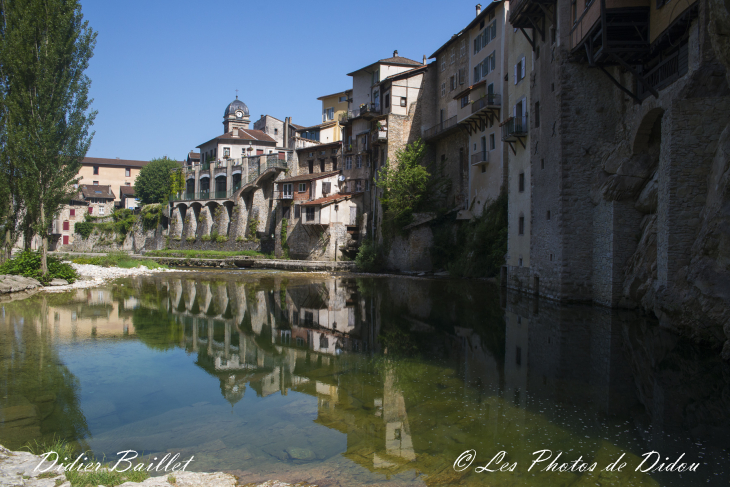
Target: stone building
pixel 229 196
pixel 628 101
pixel 517 94
pixel 96 171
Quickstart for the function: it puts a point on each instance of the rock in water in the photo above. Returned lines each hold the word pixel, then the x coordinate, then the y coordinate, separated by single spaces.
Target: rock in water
pixel 58 282
pixel 304 454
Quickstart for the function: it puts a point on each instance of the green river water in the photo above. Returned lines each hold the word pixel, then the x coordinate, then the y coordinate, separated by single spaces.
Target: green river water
pixel 348 381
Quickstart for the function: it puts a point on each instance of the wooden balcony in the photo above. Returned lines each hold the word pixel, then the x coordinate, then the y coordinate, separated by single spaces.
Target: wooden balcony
pixel 440 129
pixel 483 110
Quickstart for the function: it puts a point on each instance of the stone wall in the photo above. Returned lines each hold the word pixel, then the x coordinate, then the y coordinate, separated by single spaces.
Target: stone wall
pixel 411 252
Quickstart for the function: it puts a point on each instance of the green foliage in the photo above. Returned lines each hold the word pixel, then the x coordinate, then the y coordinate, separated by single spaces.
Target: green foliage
pixel 221 239
pixel 370 257
pixel 84 229
pixel 205 238
pixel 284 243
pixel 404 184
pixel 151 216
pixel 157 180
pixel 118 259
pixel 190 239
pixel 478 247
pixel 253 225
pixel 28 264
pixel 45 116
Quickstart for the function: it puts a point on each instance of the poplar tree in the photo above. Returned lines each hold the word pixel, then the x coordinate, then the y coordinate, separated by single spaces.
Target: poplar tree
pixel 45 47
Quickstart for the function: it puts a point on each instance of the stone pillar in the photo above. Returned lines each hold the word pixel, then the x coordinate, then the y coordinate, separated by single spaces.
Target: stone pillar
pixel 229 177
pixel 190 228
pixel 616 226
pixel 209 324
pixel 195 334
pixel 204 222
pixel 689 139
pixel 176 228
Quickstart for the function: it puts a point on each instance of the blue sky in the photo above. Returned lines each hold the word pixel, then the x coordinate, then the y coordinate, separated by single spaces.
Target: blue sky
pixel 163 72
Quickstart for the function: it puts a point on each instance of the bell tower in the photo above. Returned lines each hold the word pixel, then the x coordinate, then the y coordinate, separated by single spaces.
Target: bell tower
pixel 236 116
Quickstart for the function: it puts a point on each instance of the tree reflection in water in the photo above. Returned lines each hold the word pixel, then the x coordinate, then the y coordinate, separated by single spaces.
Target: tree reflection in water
pixel 414 372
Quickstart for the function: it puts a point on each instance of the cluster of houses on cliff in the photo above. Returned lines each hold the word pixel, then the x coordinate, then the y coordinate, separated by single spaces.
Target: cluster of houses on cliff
pixel 565 105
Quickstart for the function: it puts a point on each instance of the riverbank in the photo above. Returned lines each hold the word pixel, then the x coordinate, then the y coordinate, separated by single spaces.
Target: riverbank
pixel 20 468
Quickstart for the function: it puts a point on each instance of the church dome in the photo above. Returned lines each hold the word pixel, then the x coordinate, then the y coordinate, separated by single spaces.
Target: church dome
pixel 234 106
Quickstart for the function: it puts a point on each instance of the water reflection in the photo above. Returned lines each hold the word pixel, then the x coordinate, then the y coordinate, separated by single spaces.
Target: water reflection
pixel 369 379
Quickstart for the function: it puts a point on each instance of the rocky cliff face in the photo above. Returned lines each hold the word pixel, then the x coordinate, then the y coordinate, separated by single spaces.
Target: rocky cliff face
pixel 698 301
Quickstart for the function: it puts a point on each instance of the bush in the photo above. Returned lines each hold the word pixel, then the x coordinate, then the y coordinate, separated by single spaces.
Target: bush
pixel 370 257
pixel 151 215
pixel 28 264
pixel 84 229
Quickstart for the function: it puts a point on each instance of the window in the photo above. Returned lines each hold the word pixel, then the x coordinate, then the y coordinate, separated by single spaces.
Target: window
pixel 321 165
pixel 491 142
pixel 462 76
pixel 328 114
pixel 101 210
pixel 311 167
pixel 334 163
pixel 91 210
pixel 358 163
pixel 367 185
pixel 95 183
pixel 348 162
pixel 310 214
pixel 403 101
pixel 127 172
pixel 358 185
pixel 343 99
pixel 443 89
pixel 537 114
pixel 521 226
pixel 548 215
pixel 521 184
pixel 452 83
pixel 297 212
pixel 302 187
pixel 127 184
pixel 226 152
pixel 520 70
pixel 96 170
pixel 477 72
pixel 491 31
pixel 542 163
pixel 276 131
pixel 443 65
pixel 387 100
pixel 326 187
pixel 65 225
pixel 286 190
pixel 484 167
pixel 452 57
pixel 464 101
pixel 462 50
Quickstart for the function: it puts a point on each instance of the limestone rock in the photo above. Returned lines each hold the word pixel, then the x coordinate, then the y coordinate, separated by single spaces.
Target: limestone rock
pixel 649 198
pixel 14 284
pixel 58 282
pixel 304 454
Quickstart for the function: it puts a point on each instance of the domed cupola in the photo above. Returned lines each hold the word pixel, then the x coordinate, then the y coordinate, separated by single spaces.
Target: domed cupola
pixel 235 116
pixel 236 108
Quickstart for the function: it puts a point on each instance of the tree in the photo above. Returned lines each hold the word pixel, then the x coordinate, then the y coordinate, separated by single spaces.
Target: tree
pixel 45 47
pixel 157 180
pixel 404 184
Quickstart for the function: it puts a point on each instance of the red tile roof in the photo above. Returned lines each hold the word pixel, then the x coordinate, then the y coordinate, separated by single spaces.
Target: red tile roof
pixel 333 198
pixel 244 134
pixel 127 191
pixel 98 161
pixel 97 191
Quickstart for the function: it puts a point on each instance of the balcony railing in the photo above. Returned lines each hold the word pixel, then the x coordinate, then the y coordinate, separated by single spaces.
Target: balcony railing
pixel 440 127
pixel 205 166
pixel 220 195
pixel 514 128
pixel 370 109
pixel 480 158
pixel 489 100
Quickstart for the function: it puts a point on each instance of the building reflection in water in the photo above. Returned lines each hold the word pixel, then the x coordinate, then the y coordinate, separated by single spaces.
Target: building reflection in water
pixel 414 372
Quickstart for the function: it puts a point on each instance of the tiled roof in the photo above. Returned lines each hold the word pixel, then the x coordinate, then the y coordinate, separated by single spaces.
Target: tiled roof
pixel 194 155
pixel 297 127
pixel 328 123
pixel 127 191
pixel 333 94
pixel 333 198
pixel 244 134
pixel 309 177
pixel 98 161
pixel 97 191
pixel 395 60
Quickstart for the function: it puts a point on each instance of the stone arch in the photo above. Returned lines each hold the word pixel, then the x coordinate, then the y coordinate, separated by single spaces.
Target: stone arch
pixel 177 222
pixel 648 134
pixel 191 220
pixel 210 218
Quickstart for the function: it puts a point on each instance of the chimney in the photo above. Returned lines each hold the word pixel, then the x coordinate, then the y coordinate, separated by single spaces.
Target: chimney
pixel 234 132
pixel 395 53
pixel 287 120
pixel 424 59
pixel 479 9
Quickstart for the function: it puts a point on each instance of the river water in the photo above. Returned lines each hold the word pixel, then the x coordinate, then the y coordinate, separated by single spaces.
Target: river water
pixel 362 381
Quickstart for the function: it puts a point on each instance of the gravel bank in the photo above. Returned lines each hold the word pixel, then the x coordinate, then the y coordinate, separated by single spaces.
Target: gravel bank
pixel 18 468
pixel 93 275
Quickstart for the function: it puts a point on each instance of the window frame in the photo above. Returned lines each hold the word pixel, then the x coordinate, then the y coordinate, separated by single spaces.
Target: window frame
pixel 302 188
